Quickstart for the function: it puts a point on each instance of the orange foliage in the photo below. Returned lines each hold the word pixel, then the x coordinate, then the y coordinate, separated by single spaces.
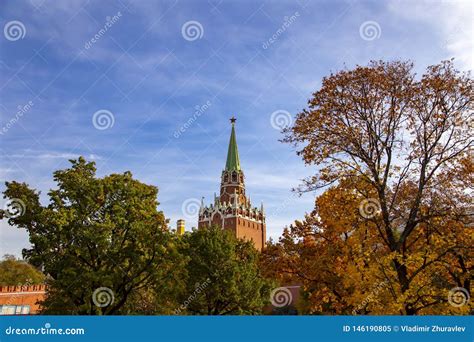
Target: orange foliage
pixel 393 232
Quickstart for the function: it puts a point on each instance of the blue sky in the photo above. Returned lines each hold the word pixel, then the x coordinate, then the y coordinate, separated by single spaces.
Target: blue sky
pixel 152 65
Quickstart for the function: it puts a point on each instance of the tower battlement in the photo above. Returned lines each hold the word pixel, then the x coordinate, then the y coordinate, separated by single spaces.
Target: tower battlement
pixel 227 210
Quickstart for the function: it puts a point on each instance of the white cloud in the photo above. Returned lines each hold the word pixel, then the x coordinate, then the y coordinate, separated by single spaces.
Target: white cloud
pixel 29 154
pixel 451 19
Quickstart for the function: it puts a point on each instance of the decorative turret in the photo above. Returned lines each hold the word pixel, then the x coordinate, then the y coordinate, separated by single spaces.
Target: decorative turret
pixel 180 227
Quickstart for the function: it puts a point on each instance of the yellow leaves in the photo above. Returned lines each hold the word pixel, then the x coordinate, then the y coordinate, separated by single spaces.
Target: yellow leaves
pixel 358 125
pixel 349 268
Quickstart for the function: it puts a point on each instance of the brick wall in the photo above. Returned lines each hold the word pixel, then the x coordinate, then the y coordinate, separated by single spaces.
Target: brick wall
pixel 251 231
pixel 23 295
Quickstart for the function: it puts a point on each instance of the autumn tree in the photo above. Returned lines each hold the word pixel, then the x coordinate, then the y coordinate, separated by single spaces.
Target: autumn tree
pixel 99 240
pixel 222 275
pixel 396 151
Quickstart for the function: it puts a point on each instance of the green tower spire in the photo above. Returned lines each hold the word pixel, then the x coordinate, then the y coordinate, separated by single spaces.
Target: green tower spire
pixel 233 162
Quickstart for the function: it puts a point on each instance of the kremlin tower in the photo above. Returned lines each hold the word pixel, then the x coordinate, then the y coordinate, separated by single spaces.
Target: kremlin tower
pixel 232 209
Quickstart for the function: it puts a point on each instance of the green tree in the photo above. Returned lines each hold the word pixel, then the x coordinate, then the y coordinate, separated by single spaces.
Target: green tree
pixel 223 277
pixel 100 240
pixel 18 272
